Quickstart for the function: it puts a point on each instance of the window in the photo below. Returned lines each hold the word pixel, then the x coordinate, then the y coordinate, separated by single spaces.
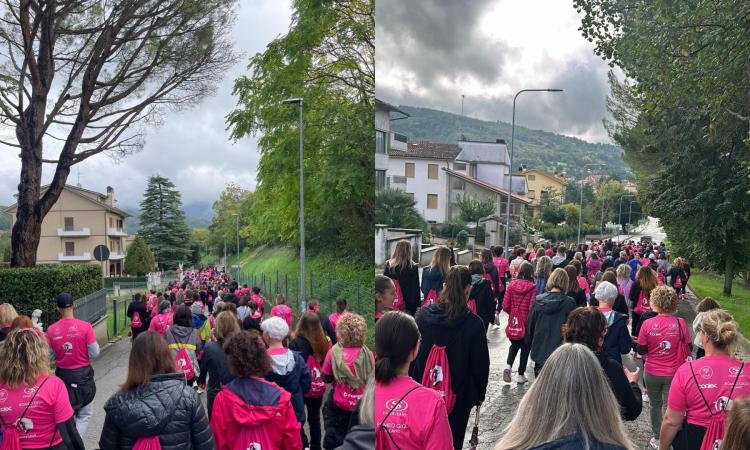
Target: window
pixel 531 194
pixel 70 249
pixel 459 166
pixel 111 222
pixel 69 224
pixel 473 170
pixel 379 179
pixel 409 170
pixel 432 171
pixel 380 141
pixel 458 184
pixel 119 224
pixel 531 177
pixel 432 200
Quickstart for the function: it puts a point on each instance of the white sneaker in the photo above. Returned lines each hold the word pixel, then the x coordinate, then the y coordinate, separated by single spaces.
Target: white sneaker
pixel 654 443
pixel 506 375
pixel 644 396
pixel 521 379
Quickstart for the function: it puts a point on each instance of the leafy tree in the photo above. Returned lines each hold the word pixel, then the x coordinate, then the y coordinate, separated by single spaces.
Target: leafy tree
pixel 88 76
pixel 683 118
pixel 233 200
pixel 140 260
pixel 327 59
pixel 472 209
pixel 163 225
pixel 397 209
pixel 571 214
pixel 198 244
pixel 4 219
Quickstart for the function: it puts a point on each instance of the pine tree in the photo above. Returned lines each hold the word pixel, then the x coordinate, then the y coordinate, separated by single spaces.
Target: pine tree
pixel 140 259
pixel 162 223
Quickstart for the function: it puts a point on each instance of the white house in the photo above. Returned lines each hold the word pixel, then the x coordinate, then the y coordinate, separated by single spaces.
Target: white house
pixel 385 139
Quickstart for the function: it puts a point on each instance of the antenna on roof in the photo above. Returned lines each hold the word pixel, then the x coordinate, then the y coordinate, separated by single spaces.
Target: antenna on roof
pixel 78 183
pixel 462 116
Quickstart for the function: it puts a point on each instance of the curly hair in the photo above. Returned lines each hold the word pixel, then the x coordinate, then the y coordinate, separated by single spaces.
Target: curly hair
pixel 585 325
pixel 351 330
pixel 247 355
pixel 26 356
pixel 664 299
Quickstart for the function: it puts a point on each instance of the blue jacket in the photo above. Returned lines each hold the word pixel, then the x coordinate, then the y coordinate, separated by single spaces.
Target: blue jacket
pixel 617 341
pixel 575 442
pixel 432 278
pixel 290 371
pixel 633 263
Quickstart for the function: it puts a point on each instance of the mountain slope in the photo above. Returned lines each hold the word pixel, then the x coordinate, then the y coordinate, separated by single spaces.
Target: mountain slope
pixel 536 149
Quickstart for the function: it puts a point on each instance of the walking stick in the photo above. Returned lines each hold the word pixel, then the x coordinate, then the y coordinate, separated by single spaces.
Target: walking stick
pixel 474 441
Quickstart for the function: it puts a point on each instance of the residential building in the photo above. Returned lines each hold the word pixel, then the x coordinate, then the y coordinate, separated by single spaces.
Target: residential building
pixel 79 221
pixel 386 140
pixel 629 186
pixel 541 183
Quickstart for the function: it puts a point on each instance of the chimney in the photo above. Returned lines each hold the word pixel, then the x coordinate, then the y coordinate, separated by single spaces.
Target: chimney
pixel 110 196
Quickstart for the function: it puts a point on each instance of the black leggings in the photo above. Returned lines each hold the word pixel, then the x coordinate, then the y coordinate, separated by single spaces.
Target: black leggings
pixel 458 419
pixel 525 349
pixel 313 420
pixel 336 422
pixel 689 437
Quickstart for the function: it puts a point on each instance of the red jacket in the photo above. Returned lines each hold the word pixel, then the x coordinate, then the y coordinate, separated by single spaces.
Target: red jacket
pixel 519 297
pixel 252 410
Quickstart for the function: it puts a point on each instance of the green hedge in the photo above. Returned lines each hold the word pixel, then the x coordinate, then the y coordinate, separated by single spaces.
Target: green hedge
pixel 31 288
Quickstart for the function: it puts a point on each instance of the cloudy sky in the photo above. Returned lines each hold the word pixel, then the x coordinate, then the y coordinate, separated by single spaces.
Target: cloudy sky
pixel 430 52
pixel 191 147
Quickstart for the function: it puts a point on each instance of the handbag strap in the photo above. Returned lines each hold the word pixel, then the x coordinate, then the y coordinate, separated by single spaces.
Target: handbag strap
pixel 395 405
pixel 699 389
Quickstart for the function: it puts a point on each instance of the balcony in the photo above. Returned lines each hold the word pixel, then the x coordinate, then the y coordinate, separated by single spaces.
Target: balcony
pixel 397 182
pixel 117 232
pixel 70 232
pixel 116 256
pixel 71 257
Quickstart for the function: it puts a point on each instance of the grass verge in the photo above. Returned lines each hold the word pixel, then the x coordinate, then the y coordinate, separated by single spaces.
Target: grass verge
pixel 706 284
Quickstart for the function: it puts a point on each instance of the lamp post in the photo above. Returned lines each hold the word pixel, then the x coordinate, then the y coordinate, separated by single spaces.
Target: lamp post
pixel 299 101
pixel 580 206
pixel 510 162
pixel 237 220
pixel 619 216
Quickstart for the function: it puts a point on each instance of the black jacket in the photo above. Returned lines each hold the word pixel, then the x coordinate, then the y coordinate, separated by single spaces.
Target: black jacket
pixel 486 304
pixel 467 352
pixel 214 365
pixel 291 373
pixel 575 442
pixel 548 313
pixel 628 394
pixel 408 280
pixel 327 327
pixel 432 278
pixel 165 407
pixel 143 312
pixel 359 437
pixel 578 297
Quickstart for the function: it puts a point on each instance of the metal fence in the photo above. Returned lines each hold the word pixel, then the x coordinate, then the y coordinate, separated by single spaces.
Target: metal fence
pixel 90 308
pixel 118 322
pixel 324 287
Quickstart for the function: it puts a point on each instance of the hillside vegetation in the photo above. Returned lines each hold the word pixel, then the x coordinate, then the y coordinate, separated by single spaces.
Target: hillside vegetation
pixel 533 148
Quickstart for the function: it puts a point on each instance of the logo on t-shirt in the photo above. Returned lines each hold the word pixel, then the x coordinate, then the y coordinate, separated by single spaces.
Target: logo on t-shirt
pixel 665 346
pixel 436 375
pixel 28 392
pixel 68 347
pixel 734 371
pixel 3 395
pixel 24 425
pixel 254 446
pixel 396 407
pixel 722 404
pixel 706 372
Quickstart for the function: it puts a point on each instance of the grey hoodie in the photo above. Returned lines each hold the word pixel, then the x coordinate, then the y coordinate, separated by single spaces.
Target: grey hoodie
pixel 548 313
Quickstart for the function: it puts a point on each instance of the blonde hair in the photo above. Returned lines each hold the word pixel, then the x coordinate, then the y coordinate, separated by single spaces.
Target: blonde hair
pixel 7 314
pixel 401 256
pixel 442 259
pixel 543 267
pixel 623 272
pixel 738 425
pixel 559 280
pixel 646 279
pixel 351 330
pixel 26 357
pixel 664 299
pixel 721 329
pixel 367 403
pixel 226 325
pixel 593 412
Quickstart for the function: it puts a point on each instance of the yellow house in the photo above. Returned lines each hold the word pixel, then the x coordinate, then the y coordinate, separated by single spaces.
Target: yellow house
pixel 540 181
pixel 79 221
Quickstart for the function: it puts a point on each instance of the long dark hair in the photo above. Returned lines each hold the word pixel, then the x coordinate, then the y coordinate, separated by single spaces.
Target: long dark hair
pixel 573 286
pixel 309 328
pixel 452 300
pixel 396 334
pixel 149 356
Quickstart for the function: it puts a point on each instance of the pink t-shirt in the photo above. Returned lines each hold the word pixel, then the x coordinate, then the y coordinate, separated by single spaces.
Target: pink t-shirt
pixel 350 355
pixel 501 264
pixel 284 312
pixel 161 322
pixel 662 336
pixel 584 285
pixel 334 318
pixel 50 407
pixel 69 338
pixel 716 375
pixel 419 421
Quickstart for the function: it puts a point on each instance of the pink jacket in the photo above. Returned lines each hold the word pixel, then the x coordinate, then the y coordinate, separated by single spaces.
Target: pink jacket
pixel 161 322
pixel 284 312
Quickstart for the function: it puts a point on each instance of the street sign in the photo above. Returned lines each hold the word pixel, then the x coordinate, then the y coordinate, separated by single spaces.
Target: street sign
pixel 101 253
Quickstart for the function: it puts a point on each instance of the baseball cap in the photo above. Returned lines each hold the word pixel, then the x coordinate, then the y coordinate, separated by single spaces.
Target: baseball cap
pixel 64 300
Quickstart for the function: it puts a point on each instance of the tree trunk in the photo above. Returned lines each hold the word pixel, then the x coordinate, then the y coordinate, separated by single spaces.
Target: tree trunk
pixel 728 274
pixel 27 228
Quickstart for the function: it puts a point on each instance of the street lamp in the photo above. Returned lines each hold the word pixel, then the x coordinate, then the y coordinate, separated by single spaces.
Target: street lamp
pixel 237 217
pixel 619 216
pixel 510 182
pixel 580 206
pixel 299 101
